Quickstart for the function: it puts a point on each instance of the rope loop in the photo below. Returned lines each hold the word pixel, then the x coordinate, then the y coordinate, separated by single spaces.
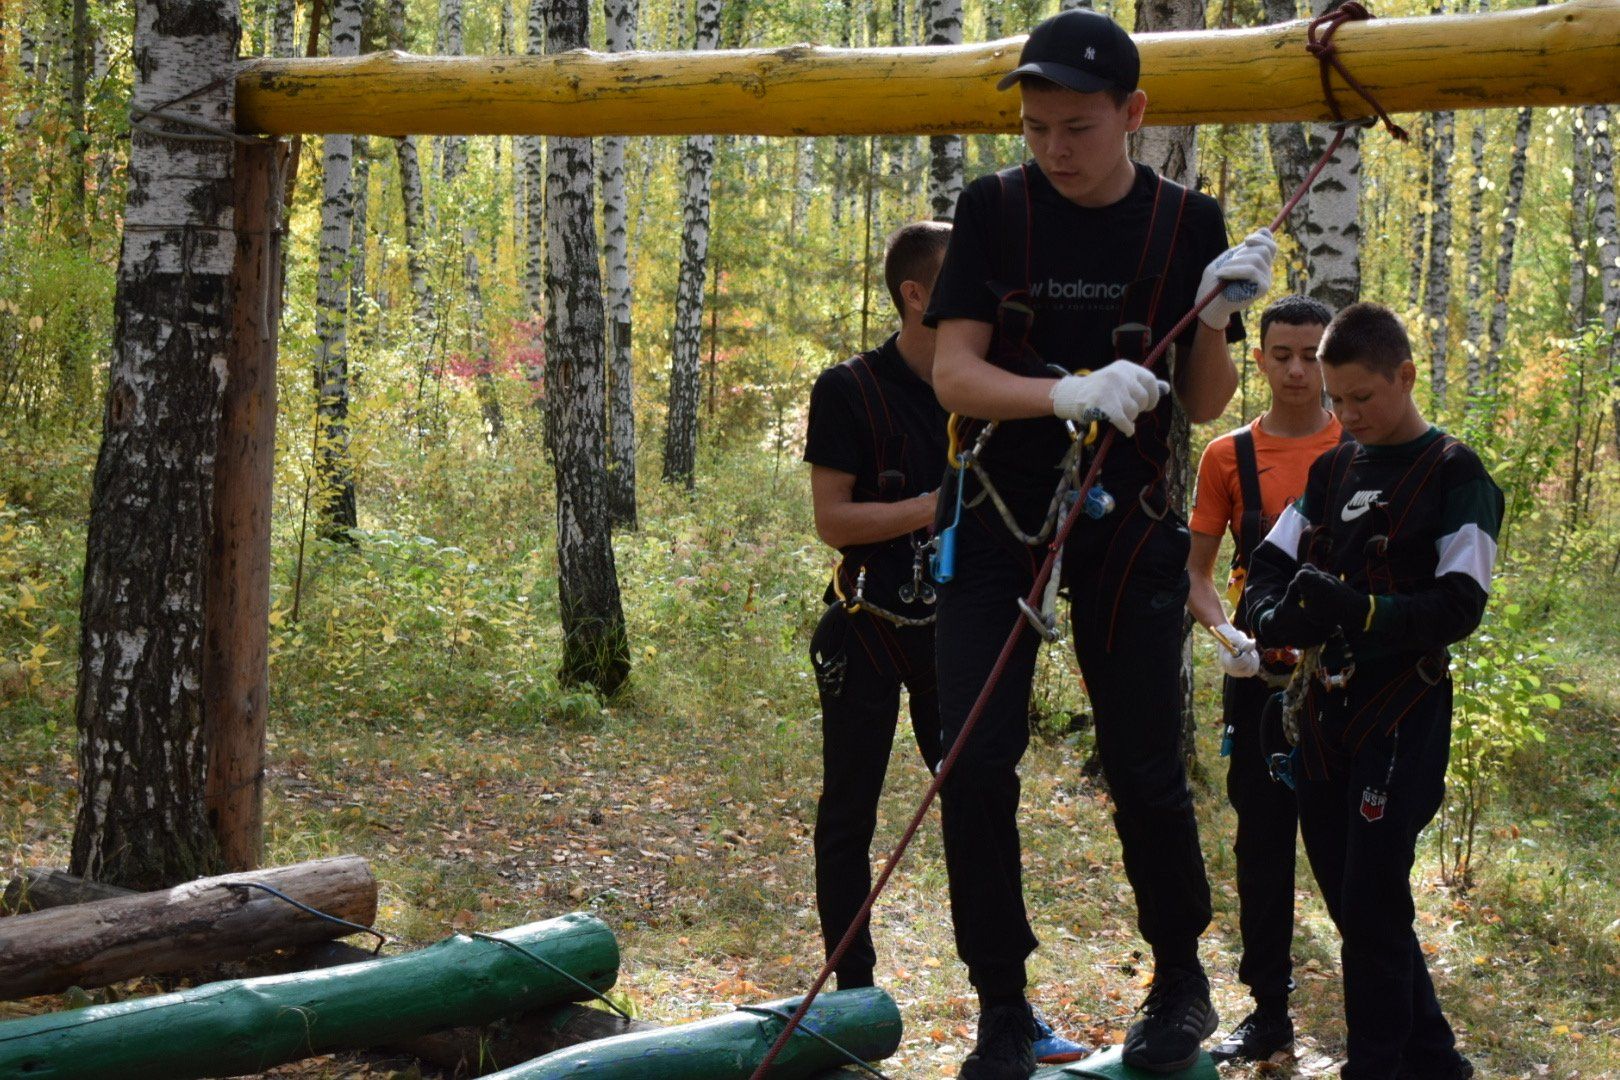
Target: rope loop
pixel 1326 52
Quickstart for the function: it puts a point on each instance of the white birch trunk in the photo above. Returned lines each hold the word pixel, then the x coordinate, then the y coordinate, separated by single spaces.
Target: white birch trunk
pixel 621 477
pixel 1437 297
pixel 1580 216
pixel 804 186
pixel 359 284
pixel 1606 237
pixel 595 647
pixel 142 752
pixel 1333 222
pixel 22 187
pixel 1504 251
pixel 336 481
pixel 1605 226
pixel 284 28
pixel 534 185
pixel 1474 286
pixel 454 158
pixel 1419 233
pixel 411 202
pixel 680 435
pixel 946 152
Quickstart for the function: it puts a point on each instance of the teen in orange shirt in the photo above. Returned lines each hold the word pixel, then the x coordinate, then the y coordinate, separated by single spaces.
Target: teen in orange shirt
pixel 1276 452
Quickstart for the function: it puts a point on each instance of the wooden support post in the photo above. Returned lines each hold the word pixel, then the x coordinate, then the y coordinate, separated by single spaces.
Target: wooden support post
pixel 237 605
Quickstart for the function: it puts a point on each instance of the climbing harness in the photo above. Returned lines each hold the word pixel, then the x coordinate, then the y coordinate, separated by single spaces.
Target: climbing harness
pixel 889 460
pixel 1038 587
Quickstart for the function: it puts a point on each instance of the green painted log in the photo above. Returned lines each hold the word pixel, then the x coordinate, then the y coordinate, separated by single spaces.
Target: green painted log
pixel 1109 1065
pixel 866 1022
pixel 248 1025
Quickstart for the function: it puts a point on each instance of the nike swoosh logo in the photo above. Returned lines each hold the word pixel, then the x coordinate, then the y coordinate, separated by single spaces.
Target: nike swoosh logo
pixel 1350 513
pixel 1359 504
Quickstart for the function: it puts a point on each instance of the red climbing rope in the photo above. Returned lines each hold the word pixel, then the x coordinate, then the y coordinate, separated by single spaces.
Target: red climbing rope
pixel 1325 52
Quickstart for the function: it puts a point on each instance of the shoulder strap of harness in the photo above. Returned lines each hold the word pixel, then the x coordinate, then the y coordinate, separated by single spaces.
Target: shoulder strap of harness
pixel 1253 516
pixel 888 442
pixel 1133 338
pixel 1014 314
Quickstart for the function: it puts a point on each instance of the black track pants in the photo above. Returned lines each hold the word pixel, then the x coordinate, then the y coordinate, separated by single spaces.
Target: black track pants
pixel 861 663
pixel 1267 821
pixel 1361 849
pixel 1128 582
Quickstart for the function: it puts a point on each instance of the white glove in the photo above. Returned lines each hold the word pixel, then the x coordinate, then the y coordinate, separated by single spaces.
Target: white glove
pixel 1119 393
pixel 1247 269
pixel 1242 659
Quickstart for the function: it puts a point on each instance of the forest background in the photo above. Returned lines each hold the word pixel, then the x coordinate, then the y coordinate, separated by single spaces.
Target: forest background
pixel 418 715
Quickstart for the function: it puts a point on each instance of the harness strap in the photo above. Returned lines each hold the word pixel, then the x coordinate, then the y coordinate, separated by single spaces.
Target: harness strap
pixel 1251 523
pixel 888 441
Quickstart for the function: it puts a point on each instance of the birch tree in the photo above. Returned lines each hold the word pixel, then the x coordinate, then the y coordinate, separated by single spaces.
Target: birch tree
pixel 335 478
pixel 1419 238
pixel 946 152
pixel 1606 230
pixel 1332 226
pixel 1508 237
pixel 284 28
pixel 1474 278
pixel 411 201
pixel 685 389
pixel 621 476
pixel 595 647
pixel 1580 215
pixel 142 754
pixel 1437 297
pixel 534 209
pixel 454 162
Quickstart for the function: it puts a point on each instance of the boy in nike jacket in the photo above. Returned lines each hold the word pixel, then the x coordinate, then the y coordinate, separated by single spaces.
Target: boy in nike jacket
pixel 1384 562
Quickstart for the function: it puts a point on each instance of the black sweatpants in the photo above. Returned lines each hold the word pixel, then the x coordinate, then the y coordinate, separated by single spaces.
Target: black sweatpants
pixel 1127 579
pixel 861 662
pixel 1363 798
pixel 1267 821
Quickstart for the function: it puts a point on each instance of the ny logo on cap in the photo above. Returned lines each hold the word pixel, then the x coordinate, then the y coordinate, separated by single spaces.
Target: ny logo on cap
pixel 1091 54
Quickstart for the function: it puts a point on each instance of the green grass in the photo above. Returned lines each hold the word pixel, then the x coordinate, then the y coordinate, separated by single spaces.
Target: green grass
pixel 416 720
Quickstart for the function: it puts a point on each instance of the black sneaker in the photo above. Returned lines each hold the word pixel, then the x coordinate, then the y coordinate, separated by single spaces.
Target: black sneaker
pixel 1461 1069
pixel 1261 1034
pixel 1176 1018
pixel 1005 1047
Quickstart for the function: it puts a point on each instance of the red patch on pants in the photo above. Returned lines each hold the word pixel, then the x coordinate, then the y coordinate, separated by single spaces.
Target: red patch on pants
pixel 1372 803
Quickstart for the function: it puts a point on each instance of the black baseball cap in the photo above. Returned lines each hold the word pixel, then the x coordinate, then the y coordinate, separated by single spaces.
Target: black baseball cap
pixel 1082 50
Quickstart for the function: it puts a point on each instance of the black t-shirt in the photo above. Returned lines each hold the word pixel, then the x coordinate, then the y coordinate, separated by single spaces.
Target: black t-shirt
pixel 891 422
pixel 1084 265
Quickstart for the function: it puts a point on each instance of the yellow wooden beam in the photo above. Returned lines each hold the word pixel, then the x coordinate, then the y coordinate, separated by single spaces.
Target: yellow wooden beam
pixel 1565 54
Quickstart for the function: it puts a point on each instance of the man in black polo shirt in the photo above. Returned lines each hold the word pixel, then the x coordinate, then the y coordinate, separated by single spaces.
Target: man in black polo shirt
pixel 1051 263
pixel 876 449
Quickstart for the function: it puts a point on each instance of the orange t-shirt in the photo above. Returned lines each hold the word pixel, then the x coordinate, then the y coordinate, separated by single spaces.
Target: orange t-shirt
pixel 1282 464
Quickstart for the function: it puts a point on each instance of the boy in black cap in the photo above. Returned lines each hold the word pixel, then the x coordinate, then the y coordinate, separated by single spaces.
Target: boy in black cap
pixel 1078 259
pixel 1384 562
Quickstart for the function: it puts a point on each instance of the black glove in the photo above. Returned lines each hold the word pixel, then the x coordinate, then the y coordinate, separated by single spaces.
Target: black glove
pixel 1331 601
pixel 1289 623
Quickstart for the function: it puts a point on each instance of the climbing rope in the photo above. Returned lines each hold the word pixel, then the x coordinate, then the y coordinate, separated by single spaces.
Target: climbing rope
pixel 382 938
pixel 1324 50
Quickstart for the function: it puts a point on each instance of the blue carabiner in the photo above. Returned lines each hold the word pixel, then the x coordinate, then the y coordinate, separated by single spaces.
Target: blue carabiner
pixel 942 565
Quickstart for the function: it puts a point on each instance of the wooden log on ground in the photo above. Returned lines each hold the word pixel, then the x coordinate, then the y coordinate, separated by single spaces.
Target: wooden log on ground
pixel 43 887
pixel 1564 54
pixel 865 1022
pixel 190 925
pixel 249 1025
